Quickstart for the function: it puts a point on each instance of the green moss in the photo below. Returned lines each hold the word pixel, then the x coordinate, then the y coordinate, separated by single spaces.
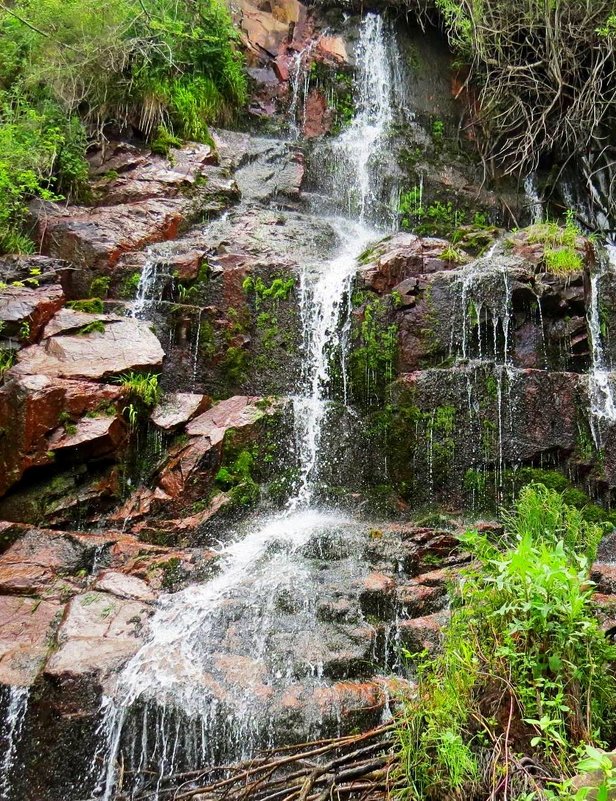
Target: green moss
pixel 95 327
pixel 492 387
pixel 236 477
pixel 163 141
pixel 562 260
pixel 100 286
pixel 278 289
pixel 128 285
pixel 172 572
pixel 89 306
pixel 207 339
pixel 374 352
pixel 234 365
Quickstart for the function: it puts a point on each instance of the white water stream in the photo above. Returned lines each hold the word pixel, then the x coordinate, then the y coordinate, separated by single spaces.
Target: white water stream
pixel 179 667
pixel 14 718
pixel 600 390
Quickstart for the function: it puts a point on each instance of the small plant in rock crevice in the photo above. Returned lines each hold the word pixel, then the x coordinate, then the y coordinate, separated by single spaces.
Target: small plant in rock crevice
pixel 7 360
pixel 141 386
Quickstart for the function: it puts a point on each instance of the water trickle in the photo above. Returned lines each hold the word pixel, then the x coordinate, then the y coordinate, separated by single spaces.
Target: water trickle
pixel 15 716
pixel 197 338
pixel 299 80
pixel 146 288
pixel 602 403
pixel 534 204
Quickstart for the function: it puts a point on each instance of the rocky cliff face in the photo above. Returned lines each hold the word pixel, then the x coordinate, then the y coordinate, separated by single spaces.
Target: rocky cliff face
pixel 467 367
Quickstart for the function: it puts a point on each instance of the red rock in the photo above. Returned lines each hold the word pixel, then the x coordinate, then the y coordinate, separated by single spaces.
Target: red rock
pixel 419 600
pixel 97 237
pixel 27 626
pixel 401 257
pixel 177 408
pixel 39 562
pixel 263 31
pixel 30 409
pixel 351 699
pixel 124 586
pixel 206 433
pixel 33 307
pixel 98 634
pixel 235 412
pixel 333 48
pixel 379 583
pixel 187 265
pixel 125 345
pixel 423 632
pixel 281 68
pixel 317 116
pixel 604 575
pixel 70 320
pixel 100 435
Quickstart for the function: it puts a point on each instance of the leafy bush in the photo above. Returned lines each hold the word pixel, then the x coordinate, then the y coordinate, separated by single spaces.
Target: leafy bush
pixel 525 667
pixel 34 146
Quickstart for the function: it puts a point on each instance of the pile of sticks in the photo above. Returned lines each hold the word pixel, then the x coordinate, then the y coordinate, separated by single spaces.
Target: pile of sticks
pixel 352 768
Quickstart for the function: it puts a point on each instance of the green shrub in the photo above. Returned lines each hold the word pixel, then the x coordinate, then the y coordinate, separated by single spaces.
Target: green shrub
pixel 33 149
pixel 562 260
pixel 524 664
pixel 147 63
pixel 7 360
pixel 560 254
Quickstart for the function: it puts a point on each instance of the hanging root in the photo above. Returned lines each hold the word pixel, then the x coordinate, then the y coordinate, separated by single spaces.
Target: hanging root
pixel 351 767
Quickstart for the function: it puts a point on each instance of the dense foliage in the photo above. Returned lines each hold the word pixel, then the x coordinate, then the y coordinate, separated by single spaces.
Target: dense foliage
pixel 543 71
pixel 524 686
pixel 68 68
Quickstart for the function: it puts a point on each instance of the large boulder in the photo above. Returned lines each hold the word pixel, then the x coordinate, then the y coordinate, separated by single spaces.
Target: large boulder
pixel 98 633
pixel 125 344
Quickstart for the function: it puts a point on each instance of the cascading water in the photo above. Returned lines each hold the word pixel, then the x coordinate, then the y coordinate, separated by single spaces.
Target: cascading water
pixel 173 706
pixel 146 287
pixel 15 716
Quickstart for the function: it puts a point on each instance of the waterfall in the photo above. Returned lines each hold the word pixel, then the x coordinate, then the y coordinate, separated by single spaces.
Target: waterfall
pixel 299 79
pixel 17 708
pixel 172 705
pixel 356 187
